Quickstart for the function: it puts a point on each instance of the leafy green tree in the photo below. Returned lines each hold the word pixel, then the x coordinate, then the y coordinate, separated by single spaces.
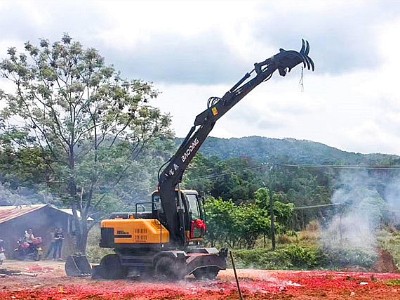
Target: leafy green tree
pixel 23 167
pixel 7 197
pixel 92 123
pixel 242 224
pixel 200 174
pixel 221 221
pixel 250 222
pixel 236 179
pixel 283 211
pixel 303 187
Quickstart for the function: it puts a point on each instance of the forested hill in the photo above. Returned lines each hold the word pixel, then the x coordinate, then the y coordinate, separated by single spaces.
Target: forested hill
pixel 290 151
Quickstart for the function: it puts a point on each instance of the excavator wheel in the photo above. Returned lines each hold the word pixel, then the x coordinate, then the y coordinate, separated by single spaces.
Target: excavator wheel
pixel 110 268
pixel 168 268
pixel 206 273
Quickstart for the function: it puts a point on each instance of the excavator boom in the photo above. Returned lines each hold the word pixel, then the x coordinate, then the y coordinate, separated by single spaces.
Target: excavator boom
pixel 170 175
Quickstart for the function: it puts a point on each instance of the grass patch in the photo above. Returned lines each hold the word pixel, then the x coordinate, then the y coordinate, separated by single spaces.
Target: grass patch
pixel 93 252
pixel 348 257
pixel 291 257
pixel 390 241
pixel 393 282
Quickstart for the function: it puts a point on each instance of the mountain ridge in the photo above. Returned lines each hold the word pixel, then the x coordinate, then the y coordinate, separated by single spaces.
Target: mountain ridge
pixel 290 151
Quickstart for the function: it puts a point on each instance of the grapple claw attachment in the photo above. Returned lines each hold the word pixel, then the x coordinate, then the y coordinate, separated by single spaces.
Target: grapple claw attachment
pixel 303 46
pixel 286 60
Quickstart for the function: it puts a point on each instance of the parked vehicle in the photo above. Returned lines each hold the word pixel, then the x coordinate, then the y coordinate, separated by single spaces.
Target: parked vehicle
pixel 29 251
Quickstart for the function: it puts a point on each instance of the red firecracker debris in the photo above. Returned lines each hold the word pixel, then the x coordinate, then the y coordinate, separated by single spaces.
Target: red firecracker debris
pixel 51 283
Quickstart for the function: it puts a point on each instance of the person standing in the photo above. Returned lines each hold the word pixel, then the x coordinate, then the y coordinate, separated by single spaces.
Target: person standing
pixel 28 236
pixel 58 241
pixel 2 250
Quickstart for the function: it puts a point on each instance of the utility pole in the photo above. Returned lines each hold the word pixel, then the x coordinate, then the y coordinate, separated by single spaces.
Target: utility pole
pixel 271 207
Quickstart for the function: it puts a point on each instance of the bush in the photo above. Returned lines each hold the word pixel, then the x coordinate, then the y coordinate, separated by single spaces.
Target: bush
pixel 303 257
pixel 284 239
pixel 347 257
pixel 261 259
pixel 292 257
pixel 389 240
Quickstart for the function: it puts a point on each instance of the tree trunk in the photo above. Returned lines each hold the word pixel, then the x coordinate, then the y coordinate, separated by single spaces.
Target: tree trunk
pixel 81 233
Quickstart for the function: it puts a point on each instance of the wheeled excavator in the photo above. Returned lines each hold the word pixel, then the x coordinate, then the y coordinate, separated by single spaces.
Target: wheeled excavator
pixel 163 237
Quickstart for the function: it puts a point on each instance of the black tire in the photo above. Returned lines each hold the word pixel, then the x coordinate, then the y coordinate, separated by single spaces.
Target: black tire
pixel 111 268
pixel 209 273
pixel 169 269
pixel 37 256
pixel 17 255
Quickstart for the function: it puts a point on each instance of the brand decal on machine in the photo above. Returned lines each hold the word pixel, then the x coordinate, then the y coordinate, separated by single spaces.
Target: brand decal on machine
pixel 122 234
pixel 171 171
pixel 190 149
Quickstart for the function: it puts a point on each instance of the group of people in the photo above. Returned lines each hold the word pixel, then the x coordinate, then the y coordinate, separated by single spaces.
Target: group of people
pixel 55 247
pixel 30 241
pixel 57 237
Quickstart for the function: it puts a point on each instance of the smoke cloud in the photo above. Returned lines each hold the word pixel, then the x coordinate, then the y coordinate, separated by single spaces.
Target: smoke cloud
pixel 392 196
pixel 359 213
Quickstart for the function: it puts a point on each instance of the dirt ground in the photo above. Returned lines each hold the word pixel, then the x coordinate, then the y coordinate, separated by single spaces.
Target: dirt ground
pixel 47 280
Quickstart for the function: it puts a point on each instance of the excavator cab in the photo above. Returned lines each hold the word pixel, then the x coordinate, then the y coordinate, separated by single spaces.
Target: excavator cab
pixel 193 214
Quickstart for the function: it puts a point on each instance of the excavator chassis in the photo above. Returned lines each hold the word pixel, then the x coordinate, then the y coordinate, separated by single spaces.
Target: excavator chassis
pixel 203 263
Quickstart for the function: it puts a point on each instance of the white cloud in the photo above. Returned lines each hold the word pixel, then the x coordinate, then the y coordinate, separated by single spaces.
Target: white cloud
pixel 192 50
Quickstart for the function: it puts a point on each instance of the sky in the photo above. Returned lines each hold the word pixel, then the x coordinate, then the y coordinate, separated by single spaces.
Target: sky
pixel 193 50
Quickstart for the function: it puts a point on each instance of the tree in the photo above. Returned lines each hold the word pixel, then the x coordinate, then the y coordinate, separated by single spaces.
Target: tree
pixel 91 123
pixel 236 179
pixel 221 221
pixel 251 222
pixel 243 224
pixel 200 174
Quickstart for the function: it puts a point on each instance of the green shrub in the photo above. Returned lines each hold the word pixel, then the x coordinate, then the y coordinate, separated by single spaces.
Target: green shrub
pixel 389 239
pixel 393 282
pixel 303 257
pixel 346 257
pixel 292 257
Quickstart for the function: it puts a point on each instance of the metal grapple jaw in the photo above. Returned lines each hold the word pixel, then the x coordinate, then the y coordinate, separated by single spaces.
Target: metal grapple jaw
pixel 286 60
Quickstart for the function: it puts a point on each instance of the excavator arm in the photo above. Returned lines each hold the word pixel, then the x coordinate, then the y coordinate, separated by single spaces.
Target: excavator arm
pixel 170 174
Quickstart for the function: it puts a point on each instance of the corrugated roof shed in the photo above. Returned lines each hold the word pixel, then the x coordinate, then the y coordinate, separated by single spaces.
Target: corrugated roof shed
pixel 8 213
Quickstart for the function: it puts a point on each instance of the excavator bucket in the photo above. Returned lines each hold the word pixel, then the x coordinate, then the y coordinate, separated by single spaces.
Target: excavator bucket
pixel 77 266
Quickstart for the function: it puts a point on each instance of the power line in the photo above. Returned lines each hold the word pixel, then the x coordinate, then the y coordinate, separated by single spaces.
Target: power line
pixel 316 206
pixel 361 167
pixel 216 175
pixel 312 166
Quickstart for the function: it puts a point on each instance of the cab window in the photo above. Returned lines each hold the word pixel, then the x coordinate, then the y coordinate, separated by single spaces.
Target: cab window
pixel 157 203
pixel 193 206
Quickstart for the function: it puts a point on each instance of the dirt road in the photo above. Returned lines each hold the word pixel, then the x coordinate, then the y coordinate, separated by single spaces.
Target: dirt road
pixel 47 280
